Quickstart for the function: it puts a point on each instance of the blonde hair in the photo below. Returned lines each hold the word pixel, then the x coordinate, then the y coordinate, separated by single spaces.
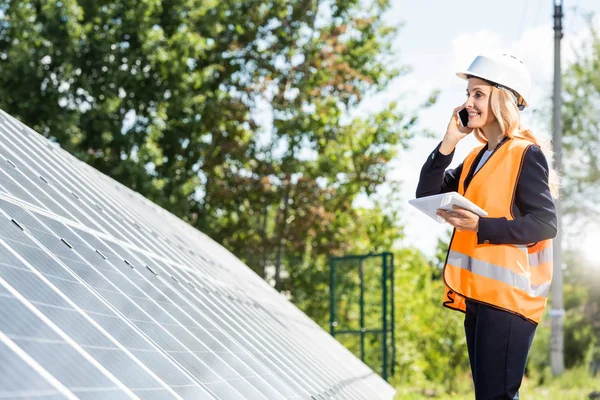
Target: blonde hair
pixel 505 110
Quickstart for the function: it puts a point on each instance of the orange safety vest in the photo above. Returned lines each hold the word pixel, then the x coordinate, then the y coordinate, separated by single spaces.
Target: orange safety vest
pixel 515 278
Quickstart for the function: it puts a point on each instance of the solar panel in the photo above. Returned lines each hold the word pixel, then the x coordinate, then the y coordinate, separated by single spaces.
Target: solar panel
pixel 104 295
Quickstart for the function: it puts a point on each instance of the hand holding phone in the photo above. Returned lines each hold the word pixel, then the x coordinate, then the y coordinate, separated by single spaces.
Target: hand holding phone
pixel 457 130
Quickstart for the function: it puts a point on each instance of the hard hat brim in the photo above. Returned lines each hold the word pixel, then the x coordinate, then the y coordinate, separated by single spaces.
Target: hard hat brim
pixel 466 74
pixel 463 75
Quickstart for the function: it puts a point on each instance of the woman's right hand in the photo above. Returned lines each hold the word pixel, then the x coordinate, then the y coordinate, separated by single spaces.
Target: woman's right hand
pixel 454 133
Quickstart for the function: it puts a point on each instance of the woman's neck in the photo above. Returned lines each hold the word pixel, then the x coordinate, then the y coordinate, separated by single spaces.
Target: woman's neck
pixel 494 135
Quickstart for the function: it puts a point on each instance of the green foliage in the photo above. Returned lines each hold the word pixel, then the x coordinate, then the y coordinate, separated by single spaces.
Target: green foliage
pixel 431 346
pixel 581 130
pixel 581 177
pixel 430 342
pixel 372 230
pixel 579 337
pixel 574 384
pixel 349 273
pixel 234 115
pixel 581 328
pixel 138 89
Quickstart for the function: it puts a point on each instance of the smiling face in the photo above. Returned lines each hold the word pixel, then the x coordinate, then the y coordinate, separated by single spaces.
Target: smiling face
pixel 478 103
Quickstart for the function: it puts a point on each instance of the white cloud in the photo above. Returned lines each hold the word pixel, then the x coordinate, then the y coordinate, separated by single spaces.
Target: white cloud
pixel 535 48
pixel 467 45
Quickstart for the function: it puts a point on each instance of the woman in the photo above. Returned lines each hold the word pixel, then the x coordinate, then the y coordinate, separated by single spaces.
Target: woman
pixel 498 269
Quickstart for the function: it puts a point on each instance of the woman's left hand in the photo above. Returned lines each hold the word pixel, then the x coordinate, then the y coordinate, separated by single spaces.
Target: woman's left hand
pixel 461 219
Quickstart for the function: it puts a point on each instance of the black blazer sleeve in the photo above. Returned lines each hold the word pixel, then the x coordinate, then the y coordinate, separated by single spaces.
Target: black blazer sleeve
pixel 534 210
pixel 434 178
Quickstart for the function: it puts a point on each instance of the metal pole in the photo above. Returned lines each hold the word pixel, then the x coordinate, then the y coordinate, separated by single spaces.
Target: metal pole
pixel 332 297
pixel 557 312
pixel 384 312
pixel 393 313
pixel 362 309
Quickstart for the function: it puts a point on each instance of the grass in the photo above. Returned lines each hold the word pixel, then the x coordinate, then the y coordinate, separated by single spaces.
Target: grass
pixel 574 384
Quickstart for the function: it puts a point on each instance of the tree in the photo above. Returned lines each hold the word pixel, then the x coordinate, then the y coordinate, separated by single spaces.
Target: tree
pixel 138 89
pixel 581 143
pixel 431 346
pixel 167 97
pixel 326 66
pixel 581 172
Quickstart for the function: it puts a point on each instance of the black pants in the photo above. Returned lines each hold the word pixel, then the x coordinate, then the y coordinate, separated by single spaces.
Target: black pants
pixel 498 343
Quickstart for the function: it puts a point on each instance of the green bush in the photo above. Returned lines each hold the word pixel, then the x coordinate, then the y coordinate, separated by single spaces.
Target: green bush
pixel 430 342
pixel 579 336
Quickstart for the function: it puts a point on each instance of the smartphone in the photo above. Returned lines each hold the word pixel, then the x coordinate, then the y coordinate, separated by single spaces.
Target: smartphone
pixel 464 117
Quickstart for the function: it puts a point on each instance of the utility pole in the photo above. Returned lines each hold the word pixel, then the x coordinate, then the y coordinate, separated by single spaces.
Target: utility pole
pixel 557 312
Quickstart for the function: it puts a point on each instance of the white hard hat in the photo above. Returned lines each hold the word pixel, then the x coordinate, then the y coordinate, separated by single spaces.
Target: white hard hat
pixel 504 71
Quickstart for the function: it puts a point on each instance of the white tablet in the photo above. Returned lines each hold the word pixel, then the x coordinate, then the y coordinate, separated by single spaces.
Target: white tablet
pixel 430 204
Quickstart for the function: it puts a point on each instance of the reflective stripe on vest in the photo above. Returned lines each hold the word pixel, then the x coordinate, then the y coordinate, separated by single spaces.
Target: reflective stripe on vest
pixel 542 257
pixel 497 273
pixel 515 278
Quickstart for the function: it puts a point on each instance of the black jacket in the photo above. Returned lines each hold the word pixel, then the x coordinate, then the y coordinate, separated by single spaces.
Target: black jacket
pixel 533 208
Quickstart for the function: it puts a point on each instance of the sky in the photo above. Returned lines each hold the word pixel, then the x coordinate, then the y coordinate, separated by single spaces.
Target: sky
pixel 440 37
